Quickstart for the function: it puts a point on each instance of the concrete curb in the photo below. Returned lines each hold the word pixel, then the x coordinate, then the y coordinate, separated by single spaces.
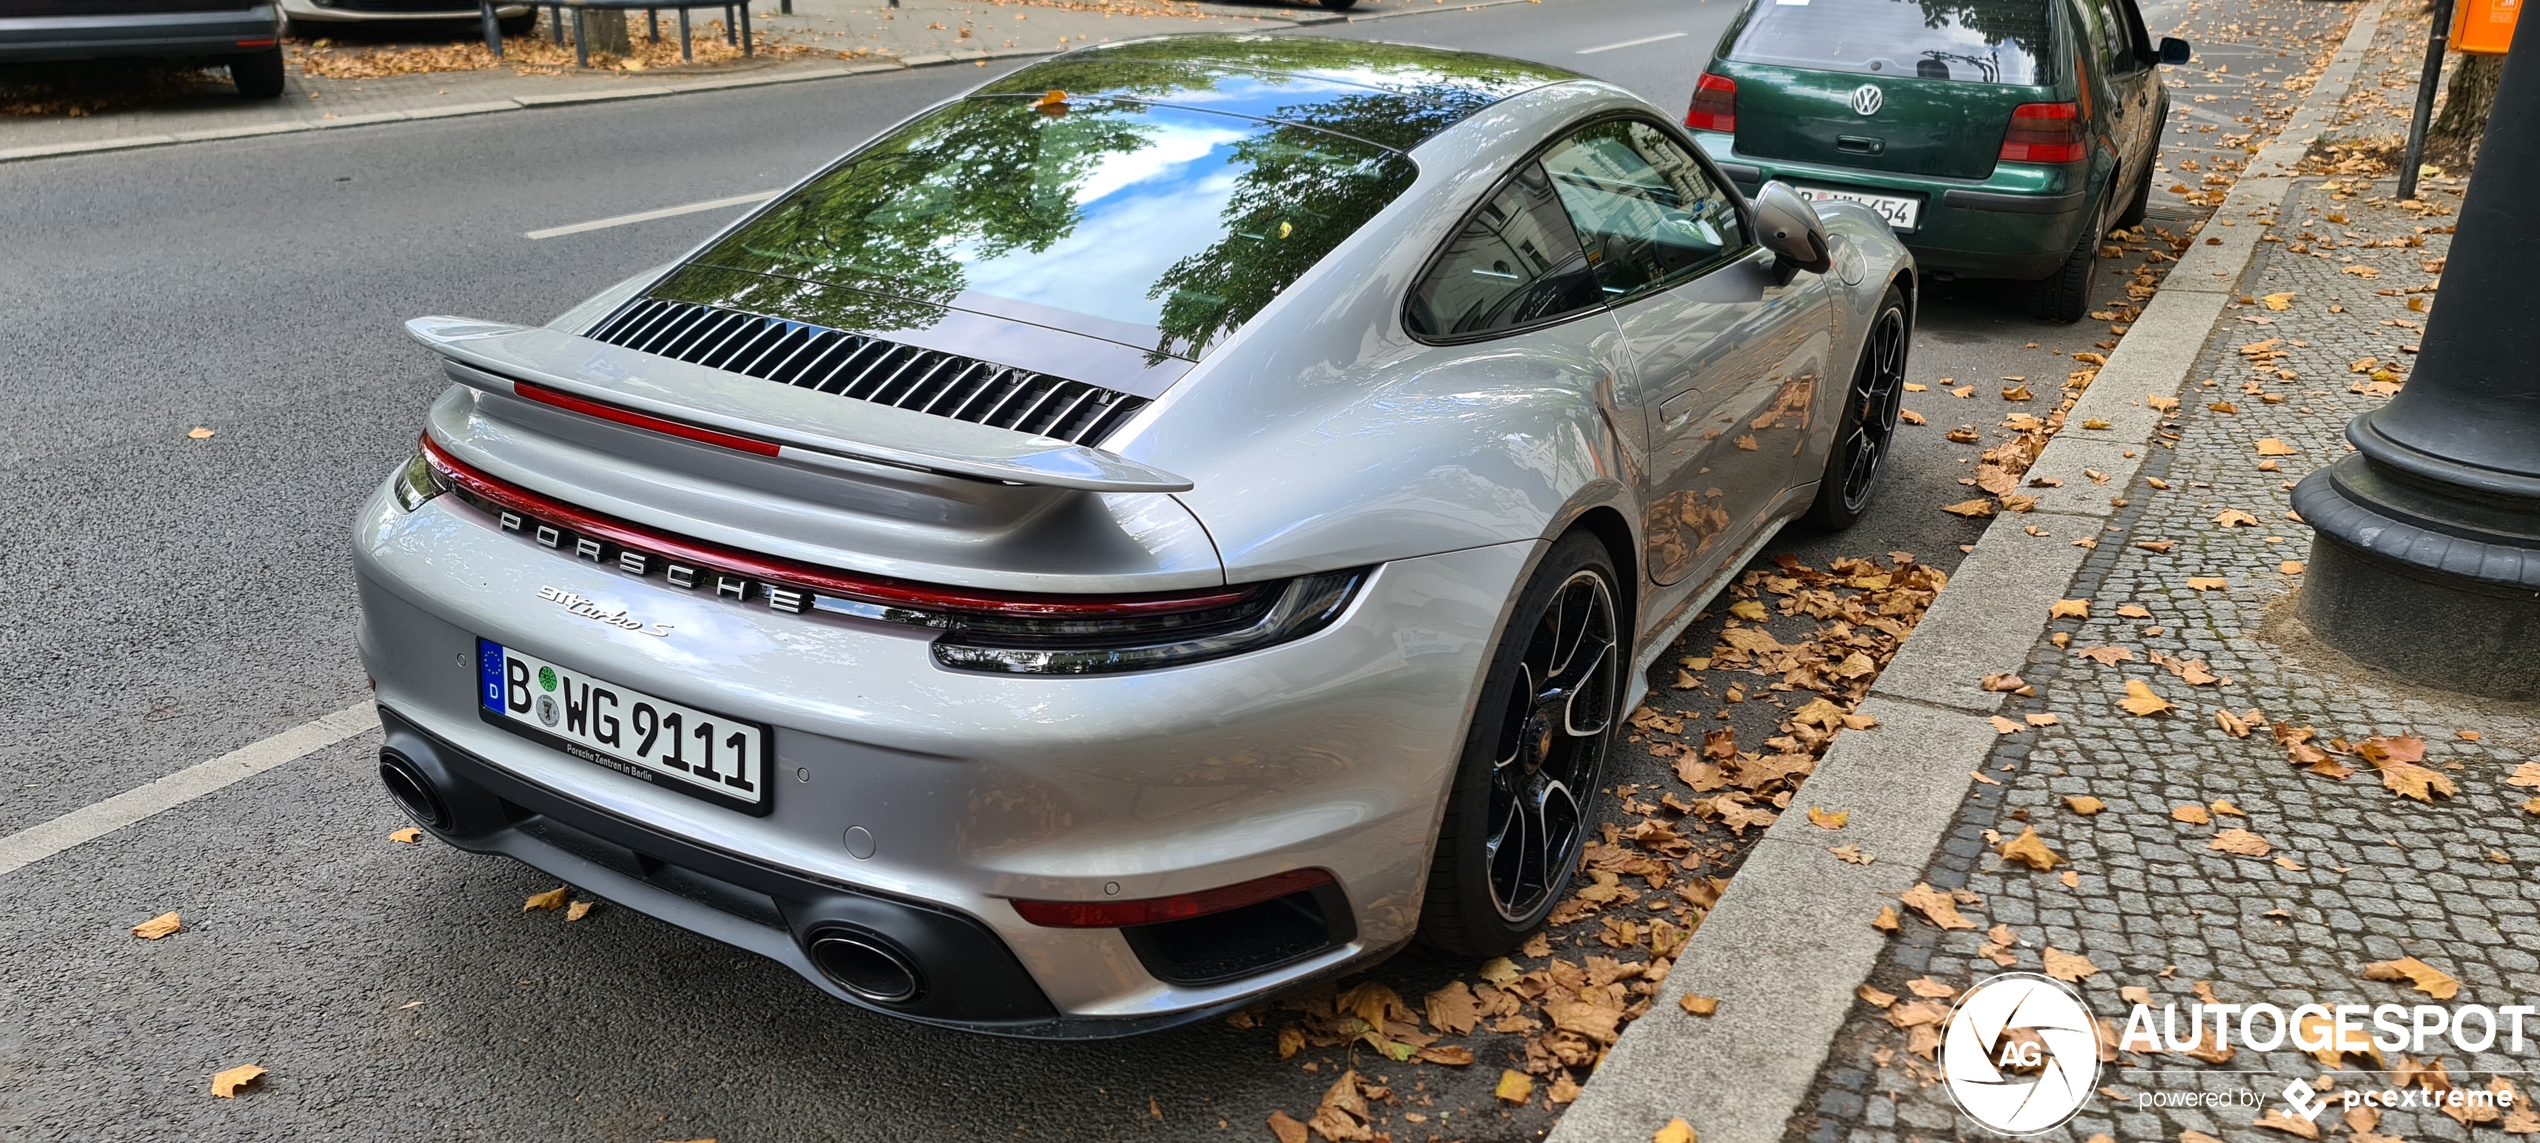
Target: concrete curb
pixel 654 91
pixel 1791 938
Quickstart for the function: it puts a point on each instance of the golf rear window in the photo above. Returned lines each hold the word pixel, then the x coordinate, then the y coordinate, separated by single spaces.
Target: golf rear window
pixel 1978 41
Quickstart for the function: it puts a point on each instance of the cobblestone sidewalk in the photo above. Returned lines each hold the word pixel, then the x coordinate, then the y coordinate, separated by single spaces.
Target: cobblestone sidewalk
pixel 2189 596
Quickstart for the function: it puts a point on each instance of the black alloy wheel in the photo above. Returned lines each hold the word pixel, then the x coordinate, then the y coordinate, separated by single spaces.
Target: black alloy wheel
pixel 1521 811
pixel 1552 739
pixel 1867 431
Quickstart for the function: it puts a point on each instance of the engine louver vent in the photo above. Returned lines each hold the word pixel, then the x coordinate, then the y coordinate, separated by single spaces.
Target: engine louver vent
pixel 870 369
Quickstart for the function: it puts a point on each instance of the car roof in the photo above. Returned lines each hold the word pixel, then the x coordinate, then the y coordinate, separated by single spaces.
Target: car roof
pixel 1391 95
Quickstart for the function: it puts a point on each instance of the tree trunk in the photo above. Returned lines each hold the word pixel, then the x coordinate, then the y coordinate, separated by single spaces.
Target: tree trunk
pixel 2466 101
pixel 607 29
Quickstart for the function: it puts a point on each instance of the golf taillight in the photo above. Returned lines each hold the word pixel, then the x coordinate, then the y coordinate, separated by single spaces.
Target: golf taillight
pixel 1179 907
pixel 2045 133
pixel 1714 104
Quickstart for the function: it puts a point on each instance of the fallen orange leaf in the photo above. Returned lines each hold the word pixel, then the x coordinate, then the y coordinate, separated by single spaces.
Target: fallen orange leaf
pixel 2030 850
pixel 158 926
pixel 227 1084
pixel 2428 979
pixel 2141 701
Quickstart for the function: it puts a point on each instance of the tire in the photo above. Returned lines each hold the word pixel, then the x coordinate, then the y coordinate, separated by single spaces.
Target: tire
pixel 1867 431
pixel 2065 294
pixel 1340 5
pixel 520 25
pixel 1525 786
pixel 258 76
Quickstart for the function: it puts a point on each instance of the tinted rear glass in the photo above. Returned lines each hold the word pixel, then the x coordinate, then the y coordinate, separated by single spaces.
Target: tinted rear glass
pixel 1177 222
pixel 1981 41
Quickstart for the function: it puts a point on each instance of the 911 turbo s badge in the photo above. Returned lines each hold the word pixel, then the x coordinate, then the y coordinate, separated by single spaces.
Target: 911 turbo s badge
pixel 588 608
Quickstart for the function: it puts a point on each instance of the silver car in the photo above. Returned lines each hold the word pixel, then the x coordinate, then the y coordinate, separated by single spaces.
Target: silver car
pixel 1182 519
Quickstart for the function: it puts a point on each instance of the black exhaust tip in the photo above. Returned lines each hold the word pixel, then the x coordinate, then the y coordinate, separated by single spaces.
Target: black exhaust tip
pixel 865 966
pixel 407 784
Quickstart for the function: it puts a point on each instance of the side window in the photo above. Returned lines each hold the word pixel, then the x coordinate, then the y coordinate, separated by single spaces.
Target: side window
pixel 2114 47
pixel 1647 214
pixel 1515 264
pixel 2132 38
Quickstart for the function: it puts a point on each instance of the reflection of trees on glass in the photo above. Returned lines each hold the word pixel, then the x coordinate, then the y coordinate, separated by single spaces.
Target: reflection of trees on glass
pixel 979 178
pixel 1185 215
pixel 2022 25
pixel 1300 193
pixel 1987 41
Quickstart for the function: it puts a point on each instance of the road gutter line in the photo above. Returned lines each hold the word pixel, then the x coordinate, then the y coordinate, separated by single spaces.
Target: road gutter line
pixel 649 215
pixel 90 822
pixel 1791 938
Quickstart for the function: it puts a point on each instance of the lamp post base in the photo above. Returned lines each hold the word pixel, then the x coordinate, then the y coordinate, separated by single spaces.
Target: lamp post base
pixel 2414 584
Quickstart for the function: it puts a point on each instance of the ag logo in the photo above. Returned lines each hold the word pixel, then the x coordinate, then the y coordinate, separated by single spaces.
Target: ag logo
pixel 1867 99
pixel 2021 1053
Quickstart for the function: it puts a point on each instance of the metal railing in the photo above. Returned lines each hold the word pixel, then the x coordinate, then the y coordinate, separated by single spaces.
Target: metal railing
pixel 735 31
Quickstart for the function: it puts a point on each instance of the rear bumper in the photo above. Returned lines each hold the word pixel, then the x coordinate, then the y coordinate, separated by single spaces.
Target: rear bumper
pixel 33 39
pixel 2021 222
pixel 1332 752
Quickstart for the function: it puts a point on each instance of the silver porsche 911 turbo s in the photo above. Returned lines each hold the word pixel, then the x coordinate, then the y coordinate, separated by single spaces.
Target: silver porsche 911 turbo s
pixel 1178 521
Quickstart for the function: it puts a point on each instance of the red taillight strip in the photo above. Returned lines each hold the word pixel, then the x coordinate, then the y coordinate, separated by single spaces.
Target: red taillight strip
pixel 827 581
pixel 1714 104
pixel 547 396
pixel 1179 907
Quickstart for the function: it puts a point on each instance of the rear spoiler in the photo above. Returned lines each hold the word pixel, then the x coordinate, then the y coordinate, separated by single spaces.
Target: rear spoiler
pixel 802 425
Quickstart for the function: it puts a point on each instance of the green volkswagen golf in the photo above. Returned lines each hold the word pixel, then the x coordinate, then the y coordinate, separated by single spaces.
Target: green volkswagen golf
pixel 2001 138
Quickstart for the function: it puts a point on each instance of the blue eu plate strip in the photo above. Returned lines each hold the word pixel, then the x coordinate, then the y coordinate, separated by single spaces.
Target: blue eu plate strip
pixel 489 674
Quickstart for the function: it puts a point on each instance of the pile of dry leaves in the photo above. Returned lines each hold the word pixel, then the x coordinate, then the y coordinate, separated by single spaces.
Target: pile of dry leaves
pixel 1654 875
pixel 531 54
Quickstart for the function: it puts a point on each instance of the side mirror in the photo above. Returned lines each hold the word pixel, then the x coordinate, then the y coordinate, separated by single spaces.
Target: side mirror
pixel 1790 228
pixel 2174 50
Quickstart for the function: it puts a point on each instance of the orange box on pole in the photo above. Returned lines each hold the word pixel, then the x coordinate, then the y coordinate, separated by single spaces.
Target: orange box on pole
pixel 2484 27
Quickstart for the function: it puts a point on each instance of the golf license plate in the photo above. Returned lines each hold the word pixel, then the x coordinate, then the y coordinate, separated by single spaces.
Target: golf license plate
pixel 699 753
pixel 1900 212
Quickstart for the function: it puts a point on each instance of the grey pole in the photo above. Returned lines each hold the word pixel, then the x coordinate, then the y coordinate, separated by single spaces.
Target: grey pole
pixel 2425 553
pixel 2436 43
pixel 493 33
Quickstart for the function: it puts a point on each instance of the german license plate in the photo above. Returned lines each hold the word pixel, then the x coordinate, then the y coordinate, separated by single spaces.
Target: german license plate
pixel 722 760
pixel 1900 212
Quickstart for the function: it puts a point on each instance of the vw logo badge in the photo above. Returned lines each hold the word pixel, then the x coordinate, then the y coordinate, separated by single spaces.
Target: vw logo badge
pixel 1867 99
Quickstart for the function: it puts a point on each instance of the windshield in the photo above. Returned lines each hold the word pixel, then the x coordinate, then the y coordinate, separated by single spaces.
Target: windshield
pixel 1982 41
pixel 1167 226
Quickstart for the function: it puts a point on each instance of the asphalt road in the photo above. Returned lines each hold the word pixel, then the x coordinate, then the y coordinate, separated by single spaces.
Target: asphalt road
pixel 169 599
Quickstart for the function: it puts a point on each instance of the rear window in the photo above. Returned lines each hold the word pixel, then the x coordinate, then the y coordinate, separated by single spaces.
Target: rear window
pixel 1978 41
pixel 1168 225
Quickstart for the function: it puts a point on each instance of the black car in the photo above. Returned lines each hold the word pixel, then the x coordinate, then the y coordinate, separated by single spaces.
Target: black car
pixel 246 38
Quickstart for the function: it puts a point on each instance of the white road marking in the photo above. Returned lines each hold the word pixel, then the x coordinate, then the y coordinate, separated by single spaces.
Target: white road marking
pixel 88 823
pixel 665 212
pixel 1631 43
